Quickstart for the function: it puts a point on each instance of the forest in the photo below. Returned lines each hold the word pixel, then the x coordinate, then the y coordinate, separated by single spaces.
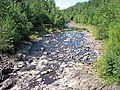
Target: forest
pixel 21 19
pixel 105 15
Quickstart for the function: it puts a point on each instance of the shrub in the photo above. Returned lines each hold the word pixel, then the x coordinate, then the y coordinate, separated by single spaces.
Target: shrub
pixel 7 32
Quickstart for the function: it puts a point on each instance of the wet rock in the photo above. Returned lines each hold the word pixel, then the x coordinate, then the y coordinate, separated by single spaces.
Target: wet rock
pixel 42 49
pixel 60 55
pixel 16 87
pixel 86 58
pixel 46 72
pixel 45 53
pixel 116 87
pixel 28 66
pixel 21 57
pixel 43 57
pixel 50 59
pixel 7 84
pixel 67 40
pixel 87 54
pixel 53 53
pixel 29 59
pixel 47 42
pixel 7 71
pixel 34 63
pixel 42 62
pixel 57 51
pixel 87 49
pixel 20 64
pixel 96 85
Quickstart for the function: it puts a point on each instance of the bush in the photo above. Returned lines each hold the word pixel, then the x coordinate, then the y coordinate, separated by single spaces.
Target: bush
pixel 109 65
pixel 105 15
pixel 20 18
pixel 7 32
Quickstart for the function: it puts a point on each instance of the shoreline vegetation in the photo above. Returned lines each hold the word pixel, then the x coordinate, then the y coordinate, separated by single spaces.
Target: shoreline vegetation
pixel 20 19
pixel 105 15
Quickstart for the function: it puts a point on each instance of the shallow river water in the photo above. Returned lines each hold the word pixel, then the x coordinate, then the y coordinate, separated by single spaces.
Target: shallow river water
pixel 55 61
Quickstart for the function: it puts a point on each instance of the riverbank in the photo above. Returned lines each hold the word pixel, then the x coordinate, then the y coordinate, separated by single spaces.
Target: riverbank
pixel 58 61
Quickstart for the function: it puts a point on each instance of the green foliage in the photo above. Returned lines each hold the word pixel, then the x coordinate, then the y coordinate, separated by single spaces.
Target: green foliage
pixel 7 32
pixel 20 18
pixel 105 14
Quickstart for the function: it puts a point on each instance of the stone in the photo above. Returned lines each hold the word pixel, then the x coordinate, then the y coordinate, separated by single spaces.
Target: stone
pixel 46 72
pixel 34 62
pixel 20 64
pixel 60 55
pixel 45 53
pixel 50 59
pixel 104 88
pixel 27 63
pixel 43 57
pixel 85 58
pixel 28 66
pixel 87 48
pixel 21 57
pixel 6 71
pixel 42 62
pixel 47 42
pixel 16 87
pixel 53 53
pixel 67 40
pixel 116 87
pixel 33 72
pixel 57 51
pixel 42 49
pixel 87 53
pixel 29 59
pixel 63 65
pixel 7 83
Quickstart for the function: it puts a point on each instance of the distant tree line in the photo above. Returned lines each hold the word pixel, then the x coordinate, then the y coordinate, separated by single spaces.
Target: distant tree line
pixel 19 18
pixel 105 14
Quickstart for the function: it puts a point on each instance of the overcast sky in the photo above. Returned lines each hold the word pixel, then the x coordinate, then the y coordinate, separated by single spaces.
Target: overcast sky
pixel 63 4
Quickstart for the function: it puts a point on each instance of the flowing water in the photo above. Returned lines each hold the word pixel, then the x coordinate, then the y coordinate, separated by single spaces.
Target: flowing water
pixel 59 48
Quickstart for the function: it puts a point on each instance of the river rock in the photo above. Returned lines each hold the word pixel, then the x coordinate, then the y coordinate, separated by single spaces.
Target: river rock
pixel 34 63
pixel 42 62
pixel 43 57
pixel 60 55
pixel 7 83
pixel 45 53
pixel 42 49
pixel 21 57
pixel 20 64
pixel 46 72
pixel 47 42
pixel 67 40
pixel 29 59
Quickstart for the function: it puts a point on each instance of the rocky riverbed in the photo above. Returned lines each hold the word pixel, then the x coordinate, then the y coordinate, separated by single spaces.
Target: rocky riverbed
pixel 59 61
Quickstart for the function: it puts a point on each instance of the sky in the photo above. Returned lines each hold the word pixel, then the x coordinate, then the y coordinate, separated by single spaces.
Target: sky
pixel 63 4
